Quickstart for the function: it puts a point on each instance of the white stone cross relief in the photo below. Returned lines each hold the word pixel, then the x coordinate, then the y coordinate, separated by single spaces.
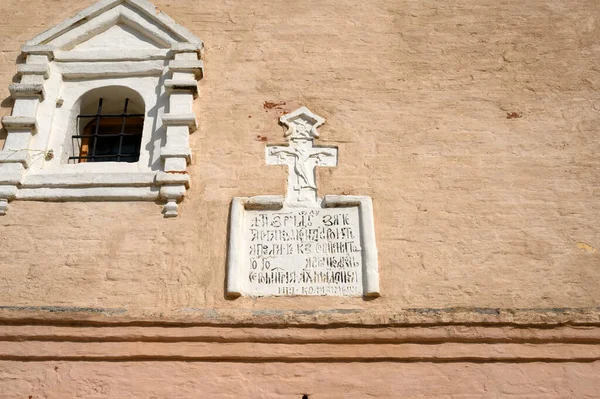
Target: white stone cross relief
pixel 301 156
pixel 302 245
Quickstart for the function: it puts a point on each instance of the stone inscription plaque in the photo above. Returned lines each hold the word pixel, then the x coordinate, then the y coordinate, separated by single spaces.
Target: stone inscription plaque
pixel 302 244
pixel 303 252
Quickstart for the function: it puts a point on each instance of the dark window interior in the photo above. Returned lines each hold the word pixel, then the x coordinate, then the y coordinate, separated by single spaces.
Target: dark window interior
pixel 109 137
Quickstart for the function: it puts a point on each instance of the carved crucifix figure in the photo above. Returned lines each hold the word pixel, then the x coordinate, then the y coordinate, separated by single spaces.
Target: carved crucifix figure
pixel 301 156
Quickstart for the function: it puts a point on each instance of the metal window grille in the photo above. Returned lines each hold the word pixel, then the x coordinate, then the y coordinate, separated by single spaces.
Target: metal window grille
pixel 105 140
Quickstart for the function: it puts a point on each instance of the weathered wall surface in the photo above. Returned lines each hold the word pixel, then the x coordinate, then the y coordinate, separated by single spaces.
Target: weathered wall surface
pixel 290 381
pixel 118 361
pixel 473 125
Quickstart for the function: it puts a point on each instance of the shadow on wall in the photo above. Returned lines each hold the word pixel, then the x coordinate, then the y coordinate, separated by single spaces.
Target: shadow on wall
pixel 7 103
pixel 3 134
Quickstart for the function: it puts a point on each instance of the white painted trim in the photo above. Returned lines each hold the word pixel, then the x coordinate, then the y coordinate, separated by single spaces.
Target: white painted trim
pixel 234 254
pixel 118 15
pixel 81 17
pixel 11 177
pixel 264 202
pixel 368 240
pixel 151 11
pixel 15 156
pixel 27 90
pixel 177 152
pixel 38 50
pixel 164 178
pixel 288 119
pixel 139 23
pixel 187 48
pixel 182 85
pixel 89 194
pixel 107 55
pixel 33 69
pixel 87 70
pixel 79 34
pixel 20 122
pixel 88 180
pixel 190 66
pixel 36 166
pixel 181 120
pixel 103 6
pixel 7 191
pixel 73 91
pixel 236 251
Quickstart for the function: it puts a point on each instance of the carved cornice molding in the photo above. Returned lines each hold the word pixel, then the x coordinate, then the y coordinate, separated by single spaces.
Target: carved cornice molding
pixel 313 318
pixel 442 344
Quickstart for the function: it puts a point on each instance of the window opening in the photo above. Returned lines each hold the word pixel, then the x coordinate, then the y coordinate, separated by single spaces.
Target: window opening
pixel 109 137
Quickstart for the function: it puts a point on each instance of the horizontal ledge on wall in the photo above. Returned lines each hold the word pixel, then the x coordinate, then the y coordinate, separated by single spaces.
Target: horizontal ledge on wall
pixel 34 69
pixel 328 317
pixel 20 123
pixel 111 69
pixel 192 66
pixel 89 194
pixel 88 179
pixel 108 55
pixel 182 86
pixel 203 351
pixel 27 90
pixel 15 156
pixel 164 178
pixel 38 50
pixel 188 120
pixel 12 178
pixel 297 335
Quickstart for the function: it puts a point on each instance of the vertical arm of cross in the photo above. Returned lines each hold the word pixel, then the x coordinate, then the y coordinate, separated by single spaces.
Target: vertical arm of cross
pixel 301 156
pixel 284 155
pixel 289 156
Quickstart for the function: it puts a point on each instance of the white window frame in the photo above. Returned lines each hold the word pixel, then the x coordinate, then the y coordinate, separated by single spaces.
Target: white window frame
pixel 54 78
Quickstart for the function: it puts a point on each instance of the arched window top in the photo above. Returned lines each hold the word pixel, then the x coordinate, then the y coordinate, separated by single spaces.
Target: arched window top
pixel 110 126
pixel 113 98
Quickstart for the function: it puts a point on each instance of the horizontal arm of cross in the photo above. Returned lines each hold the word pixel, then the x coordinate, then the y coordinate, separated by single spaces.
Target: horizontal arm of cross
pixel 327 156
pixel 274 154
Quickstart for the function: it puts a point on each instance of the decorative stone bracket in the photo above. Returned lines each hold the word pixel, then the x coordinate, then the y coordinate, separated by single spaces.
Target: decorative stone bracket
pixel 22 124
pixel 176 154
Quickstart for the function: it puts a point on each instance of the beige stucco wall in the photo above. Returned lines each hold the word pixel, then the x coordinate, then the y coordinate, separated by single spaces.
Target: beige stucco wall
pixel 237 361
pixel 471 208
pixel 291 381
pixel 473 124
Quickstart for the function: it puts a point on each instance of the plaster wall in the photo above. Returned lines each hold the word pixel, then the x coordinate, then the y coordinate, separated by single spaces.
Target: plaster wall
pixel 473 125
pixel 291 381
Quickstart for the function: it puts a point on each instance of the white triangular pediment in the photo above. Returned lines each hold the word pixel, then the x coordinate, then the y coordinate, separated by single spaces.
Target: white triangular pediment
pixel 119 37
pixel 117 24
